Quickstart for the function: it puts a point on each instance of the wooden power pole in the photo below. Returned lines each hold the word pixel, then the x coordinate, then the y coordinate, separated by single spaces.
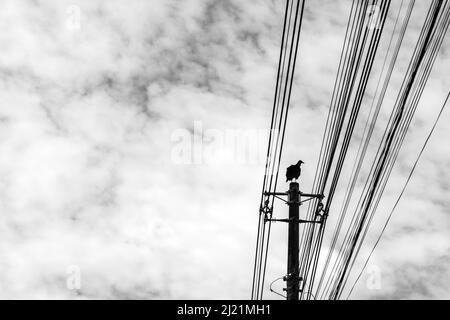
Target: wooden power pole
pixel 292 277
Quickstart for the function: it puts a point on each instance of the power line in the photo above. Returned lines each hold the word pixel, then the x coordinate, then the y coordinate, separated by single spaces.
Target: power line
pixel 401 194
pixel 416 79
pixel 285 78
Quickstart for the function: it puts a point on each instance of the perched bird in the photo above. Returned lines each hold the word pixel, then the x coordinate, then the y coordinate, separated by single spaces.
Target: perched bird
pixel 294 171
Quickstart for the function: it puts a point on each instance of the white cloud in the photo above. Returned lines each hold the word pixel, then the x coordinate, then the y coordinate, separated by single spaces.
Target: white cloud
pixel 86 176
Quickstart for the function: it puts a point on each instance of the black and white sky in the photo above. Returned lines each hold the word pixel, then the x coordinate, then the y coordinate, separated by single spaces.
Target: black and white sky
pixel 120 174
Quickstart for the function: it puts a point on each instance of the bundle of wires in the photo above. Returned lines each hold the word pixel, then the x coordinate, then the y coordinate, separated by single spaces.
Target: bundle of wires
pixel 416 77
pixel 285 77
pixel 368 131
pixel 358 54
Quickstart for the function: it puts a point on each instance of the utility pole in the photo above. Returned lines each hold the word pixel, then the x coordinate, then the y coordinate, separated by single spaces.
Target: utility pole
pixel 294 202
pixel 292 277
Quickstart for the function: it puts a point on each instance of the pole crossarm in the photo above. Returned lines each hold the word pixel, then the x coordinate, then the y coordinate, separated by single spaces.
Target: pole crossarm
pixel 293 220
pixel 311 195
pixel 308 195
pixel 275 193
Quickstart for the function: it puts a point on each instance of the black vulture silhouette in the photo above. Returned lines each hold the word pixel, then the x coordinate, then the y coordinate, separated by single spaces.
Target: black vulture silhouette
pixel 294 171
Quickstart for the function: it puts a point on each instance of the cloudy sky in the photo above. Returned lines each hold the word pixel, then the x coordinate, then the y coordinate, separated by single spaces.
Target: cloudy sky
pixel 120 174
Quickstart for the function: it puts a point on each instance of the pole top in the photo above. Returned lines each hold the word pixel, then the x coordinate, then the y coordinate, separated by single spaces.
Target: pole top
pixel 294 193
pixel 294 185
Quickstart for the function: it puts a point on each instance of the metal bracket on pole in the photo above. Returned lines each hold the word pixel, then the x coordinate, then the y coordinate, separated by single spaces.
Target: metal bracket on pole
pixel 308 195
pixel 293 220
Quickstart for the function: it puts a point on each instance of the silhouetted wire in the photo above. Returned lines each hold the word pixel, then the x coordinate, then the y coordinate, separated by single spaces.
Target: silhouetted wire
pixel 382 161
pixel 312 261
pixel 271 290
pixel 351 230
pixel 444 21
pixel 330 131
pixel 256 272
pixel 401 194
pixel 286 114
pixel 368 130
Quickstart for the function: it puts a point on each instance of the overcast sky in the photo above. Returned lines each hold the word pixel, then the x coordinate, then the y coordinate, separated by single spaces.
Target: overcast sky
pixel 120 175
